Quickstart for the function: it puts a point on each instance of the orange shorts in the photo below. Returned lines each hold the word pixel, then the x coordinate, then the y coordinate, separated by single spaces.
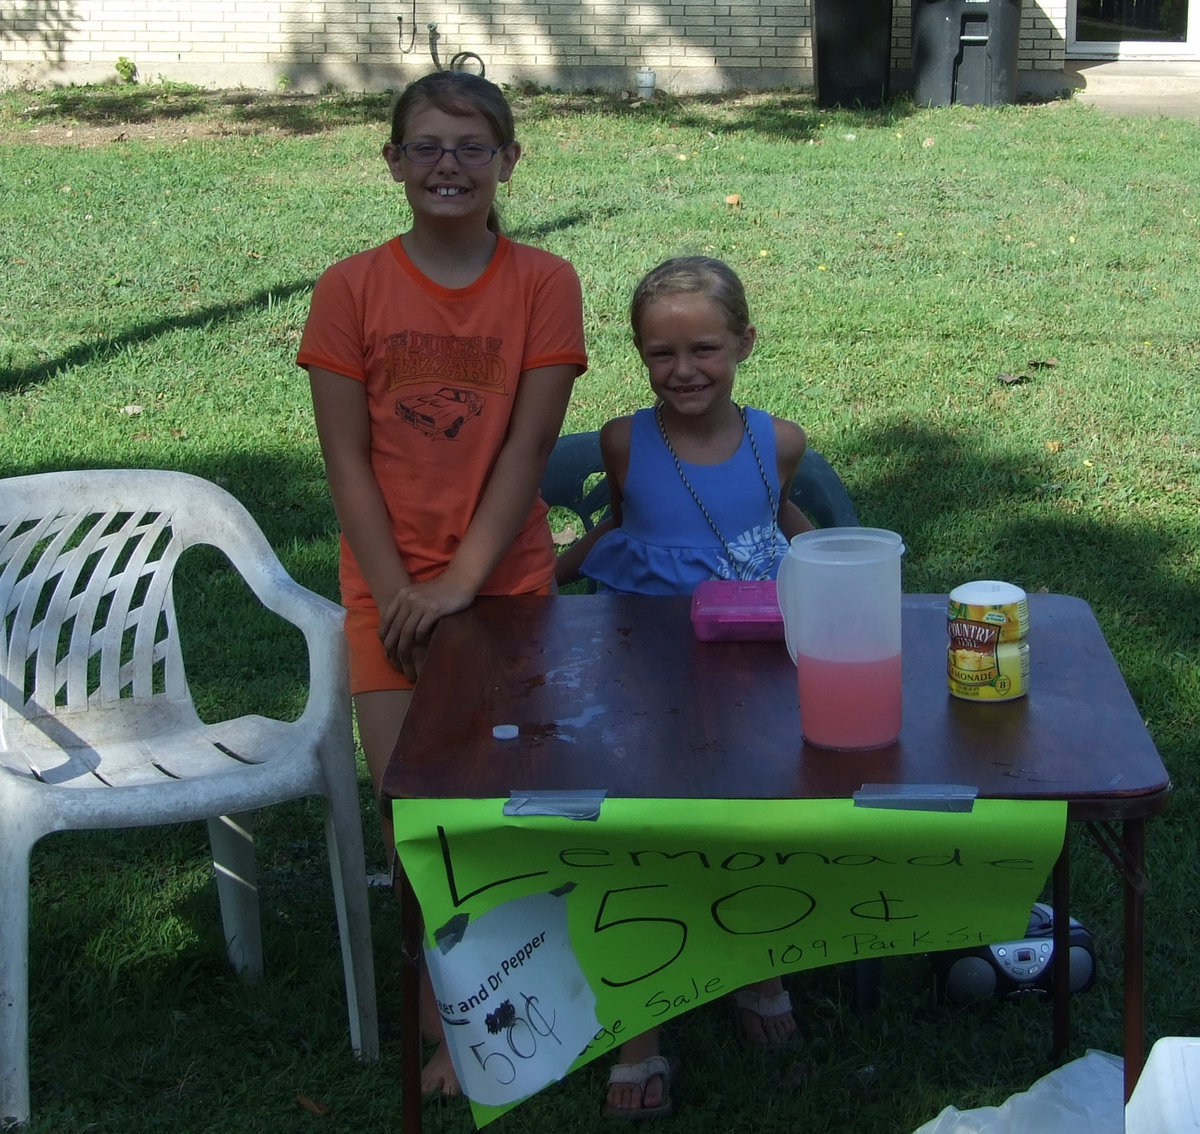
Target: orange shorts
pixel 371 669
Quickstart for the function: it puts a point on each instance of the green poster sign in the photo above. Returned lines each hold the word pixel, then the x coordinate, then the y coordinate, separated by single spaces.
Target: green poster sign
pixel 552 940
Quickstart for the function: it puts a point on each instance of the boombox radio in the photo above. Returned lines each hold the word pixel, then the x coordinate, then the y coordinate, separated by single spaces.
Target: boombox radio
pixel 1010 969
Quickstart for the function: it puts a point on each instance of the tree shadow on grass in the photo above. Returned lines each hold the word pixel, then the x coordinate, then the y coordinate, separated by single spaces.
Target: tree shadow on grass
pixel 968 509
pixel 788 117
pixel 17 378
pixel 533 233
pixel 300 114
pixel 774 115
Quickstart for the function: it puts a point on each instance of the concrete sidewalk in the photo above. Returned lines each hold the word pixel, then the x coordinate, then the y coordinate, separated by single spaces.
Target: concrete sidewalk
pixel 1139 88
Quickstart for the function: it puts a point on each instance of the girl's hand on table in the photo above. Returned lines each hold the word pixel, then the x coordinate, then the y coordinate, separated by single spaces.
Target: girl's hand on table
pixel 408 619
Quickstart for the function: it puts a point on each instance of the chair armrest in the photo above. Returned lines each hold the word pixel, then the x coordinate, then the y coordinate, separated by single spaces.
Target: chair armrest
pixel 231 529
pixel 321 623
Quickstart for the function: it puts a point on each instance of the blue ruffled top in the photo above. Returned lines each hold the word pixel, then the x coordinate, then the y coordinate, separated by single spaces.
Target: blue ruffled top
pixel 664 545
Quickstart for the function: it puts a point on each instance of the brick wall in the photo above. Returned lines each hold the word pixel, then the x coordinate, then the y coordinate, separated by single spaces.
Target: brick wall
pixel 1043 35
pixel 692 45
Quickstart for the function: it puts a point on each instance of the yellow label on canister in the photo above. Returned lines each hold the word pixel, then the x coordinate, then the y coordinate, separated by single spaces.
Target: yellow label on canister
pixel 988 657
pixel 1000 674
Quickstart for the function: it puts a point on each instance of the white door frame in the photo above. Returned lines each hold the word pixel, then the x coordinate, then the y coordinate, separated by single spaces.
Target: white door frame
pixel 1134 49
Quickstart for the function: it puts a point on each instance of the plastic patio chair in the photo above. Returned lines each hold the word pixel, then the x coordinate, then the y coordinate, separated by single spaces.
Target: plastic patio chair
pixel 98 728
pixel 817 491
pixel 567 482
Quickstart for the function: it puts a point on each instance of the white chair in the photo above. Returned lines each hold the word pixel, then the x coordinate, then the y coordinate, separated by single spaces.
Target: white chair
pixel 98 729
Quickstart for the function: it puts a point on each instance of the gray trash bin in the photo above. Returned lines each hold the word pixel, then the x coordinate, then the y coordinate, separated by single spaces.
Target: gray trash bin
pixel 852 42
pixel 965 51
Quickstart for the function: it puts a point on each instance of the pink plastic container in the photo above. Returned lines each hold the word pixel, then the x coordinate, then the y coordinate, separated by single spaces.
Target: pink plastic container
pixel 732 610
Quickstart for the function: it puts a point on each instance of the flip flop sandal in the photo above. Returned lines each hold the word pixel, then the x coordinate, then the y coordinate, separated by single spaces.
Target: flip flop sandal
pixel 764 1007
pixel 641 1074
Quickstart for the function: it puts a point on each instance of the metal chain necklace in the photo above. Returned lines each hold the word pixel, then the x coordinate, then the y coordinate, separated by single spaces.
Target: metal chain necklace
pixel 732 559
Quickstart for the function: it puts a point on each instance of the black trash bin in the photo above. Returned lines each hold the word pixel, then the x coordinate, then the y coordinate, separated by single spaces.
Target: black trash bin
pixel 852 42
pixel 965 51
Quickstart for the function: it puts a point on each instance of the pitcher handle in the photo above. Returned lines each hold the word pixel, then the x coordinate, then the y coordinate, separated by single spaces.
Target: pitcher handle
pixel 783 589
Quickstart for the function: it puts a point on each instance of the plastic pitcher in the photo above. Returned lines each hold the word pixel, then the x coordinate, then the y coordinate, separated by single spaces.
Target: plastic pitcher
pixel 839 593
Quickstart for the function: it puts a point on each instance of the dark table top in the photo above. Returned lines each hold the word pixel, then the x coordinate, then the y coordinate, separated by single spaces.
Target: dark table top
pixel 616 692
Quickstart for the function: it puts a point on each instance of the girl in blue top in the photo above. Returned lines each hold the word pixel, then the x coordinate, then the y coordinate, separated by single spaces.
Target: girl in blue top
pixel 699 490
pixel 698 485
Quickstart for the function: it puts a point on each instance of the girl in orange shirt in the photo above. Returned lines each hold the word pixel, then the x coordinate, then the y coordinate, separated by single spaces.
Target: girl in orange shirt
pixel 441 364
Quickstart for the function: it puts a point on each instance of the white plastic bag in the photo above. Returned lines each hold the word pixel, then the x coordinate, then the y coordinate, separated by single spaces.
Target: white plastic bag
pixel 1086 1096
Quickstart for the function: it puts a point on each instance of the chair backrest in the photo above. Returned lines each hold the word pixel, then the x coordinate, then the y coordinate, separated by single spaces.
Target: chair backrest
pixel 817 491
pixel 567 482
pixel 86 566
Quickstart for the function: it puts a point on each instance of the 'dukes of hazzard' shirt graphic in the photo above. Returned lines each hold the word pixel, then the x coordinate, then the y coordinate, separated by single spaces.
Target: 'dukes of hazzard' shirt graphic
pixel 443 379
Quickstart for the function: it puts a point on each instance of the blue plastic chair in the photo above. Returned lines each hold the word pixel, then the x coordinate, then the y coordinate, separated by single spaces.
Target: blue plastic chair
pixel 819 493
pixel 569 482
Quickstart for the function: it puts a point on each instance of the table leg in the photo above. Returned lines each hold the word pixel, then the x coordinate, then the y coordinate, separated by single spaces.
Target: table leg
pixel 410 1003
pixel 867 978
pixel 1060 970
pixel 1134 838
pixel 1127 852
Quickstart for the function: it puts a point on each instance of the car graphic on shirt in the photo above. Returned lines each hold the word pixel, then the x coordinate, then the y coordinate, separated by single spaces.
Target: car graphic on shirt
pixel 441 413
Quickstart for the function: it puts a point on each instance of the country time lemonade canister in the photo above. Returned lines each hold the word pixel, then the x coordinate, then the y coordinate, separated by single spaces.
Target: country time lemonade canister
pixel 988 656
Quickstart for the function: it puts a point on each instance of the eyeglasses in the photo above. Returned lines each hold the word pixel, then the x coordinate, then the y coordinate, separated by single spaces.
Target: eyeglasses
pixel 430 153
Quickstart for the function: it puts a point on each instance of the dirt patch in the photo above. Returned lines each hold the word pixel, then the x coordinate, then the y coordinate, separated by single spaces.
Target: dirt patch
pixel 87 134
pixel 101 115
pixel 98 116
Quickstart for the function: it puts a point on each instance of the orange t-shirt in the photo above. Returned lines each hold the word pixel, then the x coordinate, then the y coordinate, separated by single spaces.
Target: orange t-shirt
pixel 441 367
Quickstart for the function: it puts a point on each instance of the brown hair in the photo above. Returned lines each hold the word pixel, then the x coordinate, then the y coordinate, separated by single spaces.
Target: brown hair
pixel 692 275
pixel 459 93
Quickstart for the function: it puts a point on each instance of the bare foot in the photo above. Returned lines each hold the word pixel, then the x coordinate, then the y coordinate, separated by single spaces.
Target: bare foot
pixel 439 1075
pixel 763 1014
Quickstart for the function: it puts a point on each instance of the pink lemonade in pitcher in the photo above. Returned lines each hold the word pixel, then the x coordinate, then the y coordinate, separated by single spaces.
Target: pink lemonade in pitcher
pixel 849 705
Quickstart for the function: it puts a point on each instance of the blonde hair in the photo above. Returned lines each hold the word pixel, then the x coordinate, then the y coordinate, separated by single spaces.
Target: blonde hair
pixel 692 275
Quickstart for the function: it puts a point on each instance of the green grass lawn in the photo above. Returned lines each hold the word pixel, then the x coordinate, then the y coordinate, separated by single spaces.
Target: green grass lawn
pixel 986 319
